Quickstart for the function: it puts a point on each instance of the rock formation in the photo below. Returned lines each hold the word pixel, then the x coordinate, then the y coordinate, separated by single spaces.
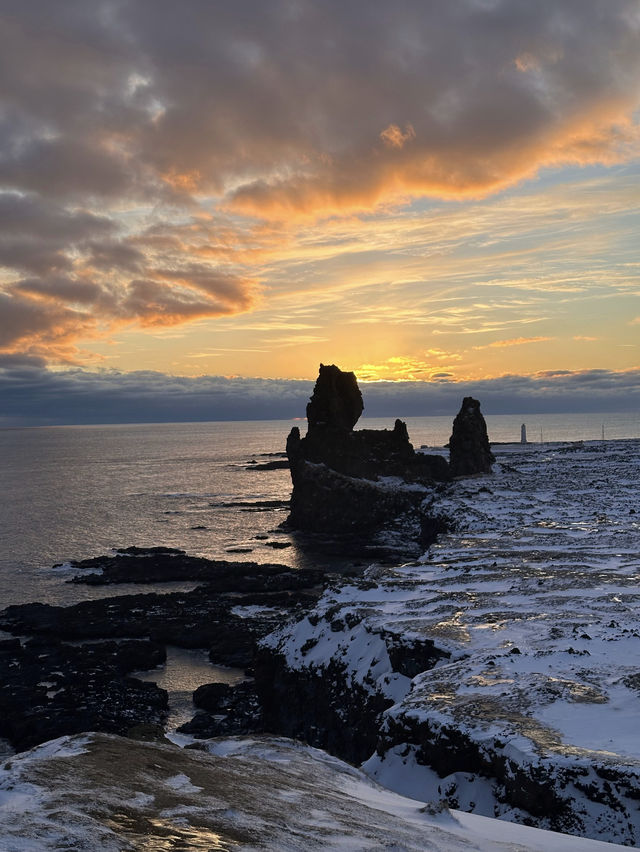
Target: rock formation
pixel 336 402
pixel 469 450
pixel 340 477
pixel 73 673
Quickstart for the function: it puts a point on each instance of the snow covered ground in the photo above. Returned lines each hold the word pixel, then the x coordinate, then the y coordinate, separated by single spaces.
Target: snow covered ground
pixel 532 716
pixel 536 599
pixel 104 792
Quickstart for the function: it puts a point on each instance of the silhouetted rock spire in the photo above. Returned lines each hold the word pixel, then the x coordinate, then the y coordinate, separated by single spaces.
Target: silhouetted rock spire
pixel 336 402
pixel 469 450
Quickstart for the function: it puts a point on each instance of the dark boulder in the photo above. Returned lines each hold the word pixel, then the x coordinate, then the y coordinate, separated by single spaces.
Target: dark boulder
pixel 225 710
pixel 469 450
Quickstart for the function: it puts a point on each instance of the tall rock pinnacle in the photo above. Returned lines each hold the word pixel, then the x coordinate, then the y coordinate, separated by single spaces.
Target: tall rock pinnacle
pixel 469 450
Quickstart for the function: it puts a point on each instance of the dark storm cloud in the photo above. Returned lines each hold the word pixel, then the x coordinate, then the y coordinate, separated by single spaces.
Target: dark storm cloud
pixel 350 100
pixel 25 215
pixel 30 394
pixel 282 108
pixel 36 235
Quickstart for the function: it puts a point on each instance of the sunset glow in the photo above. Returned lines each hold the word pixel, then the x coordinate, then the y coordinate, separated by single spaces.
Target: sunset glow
pixel 417 192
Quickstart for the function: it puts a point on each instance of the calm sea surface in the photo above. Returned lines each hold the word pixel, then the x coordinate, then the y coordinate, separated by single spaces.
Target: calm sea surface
pixel 78 491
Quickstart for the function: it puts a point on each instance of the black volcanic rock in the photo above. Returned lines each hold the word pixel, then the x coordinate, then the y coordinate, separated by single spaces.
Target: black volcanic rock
pixel 161 565
pixel 469 450
pixel 324 500
pixel 338 474
pixel 225 710
pixel 370 454
pixel 49 688
pixel 186 619
pixel 336 402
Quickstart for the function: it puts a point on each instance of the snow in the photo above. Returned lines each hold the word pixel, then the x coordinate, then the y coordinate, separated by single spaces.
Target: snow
pixel 535 598
pixel 249 794
pixel 251 611
pixel 182 784
pixel 67 746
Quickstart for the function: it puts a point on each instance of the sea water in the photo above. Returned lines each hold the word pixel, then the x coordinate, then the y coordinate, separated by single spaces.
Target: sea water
pixel 73 492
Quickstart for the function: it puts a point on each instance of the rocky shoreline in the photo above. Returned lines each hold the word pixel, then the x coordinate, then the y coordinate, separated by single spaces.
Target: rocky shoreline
pixel 450 678
pixel 79 657
pixel 341 487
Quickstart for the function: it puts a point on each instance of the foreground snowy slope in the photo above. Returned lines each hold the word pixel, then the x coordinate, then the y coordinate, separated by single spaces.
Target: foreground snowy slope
pixel 104 792
pixel 532 715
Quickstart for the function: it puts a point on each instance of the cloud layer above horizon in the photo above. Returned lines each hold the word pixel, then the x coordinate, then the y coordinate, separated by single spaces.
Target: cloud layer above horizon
pixel 33 395
pixel 168 165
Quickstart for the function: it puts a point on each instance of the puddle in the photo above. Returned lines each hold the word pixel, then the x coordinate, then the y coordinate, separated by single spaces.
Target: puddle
pixel 184 671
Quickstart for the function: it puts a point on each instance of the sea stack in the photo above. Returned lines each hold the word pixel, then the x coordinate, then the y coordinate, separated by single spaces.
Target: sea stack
pixel 469 450
pixel 336 402
pixel 341 477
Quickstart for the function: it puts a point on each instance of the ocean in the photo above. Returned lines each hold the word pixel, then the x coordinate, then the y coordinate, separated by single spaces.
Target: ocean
pixel 72 492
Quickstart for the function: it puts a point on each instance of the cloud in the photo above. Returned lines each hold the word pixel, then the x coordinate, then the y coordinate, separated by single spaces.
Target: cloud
pixel 513 341
pixel 187 296
pixel 37 326
pixel 137 135
pixel 31 394
pixel 396 138
pixel 407 369
pixel 84 278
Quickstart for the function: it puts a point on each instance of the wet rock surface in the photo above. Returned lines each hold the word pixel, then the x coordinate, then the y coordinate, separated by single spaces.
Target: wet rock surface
pixel 226 710
pixel 278 464
pixel 162 565
pixel 49 688
pixel 186 619
pixel 52 687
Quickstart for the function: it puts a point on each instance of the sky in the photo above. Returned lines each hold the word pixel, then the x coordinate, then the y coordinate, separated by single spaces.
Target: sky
pixel 214 198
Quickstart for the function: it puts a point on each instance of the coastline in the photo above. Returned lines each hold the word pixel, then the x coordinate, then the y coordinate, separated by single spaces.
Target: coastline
pixel 407 602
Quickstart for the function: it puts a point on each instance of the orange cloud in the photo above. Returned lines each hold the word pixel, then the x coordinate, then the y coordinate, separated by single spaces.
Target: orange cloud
pixel 395 138
pixel 514 341
pixel 402 369
pixel 167 164
pixel 365 179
